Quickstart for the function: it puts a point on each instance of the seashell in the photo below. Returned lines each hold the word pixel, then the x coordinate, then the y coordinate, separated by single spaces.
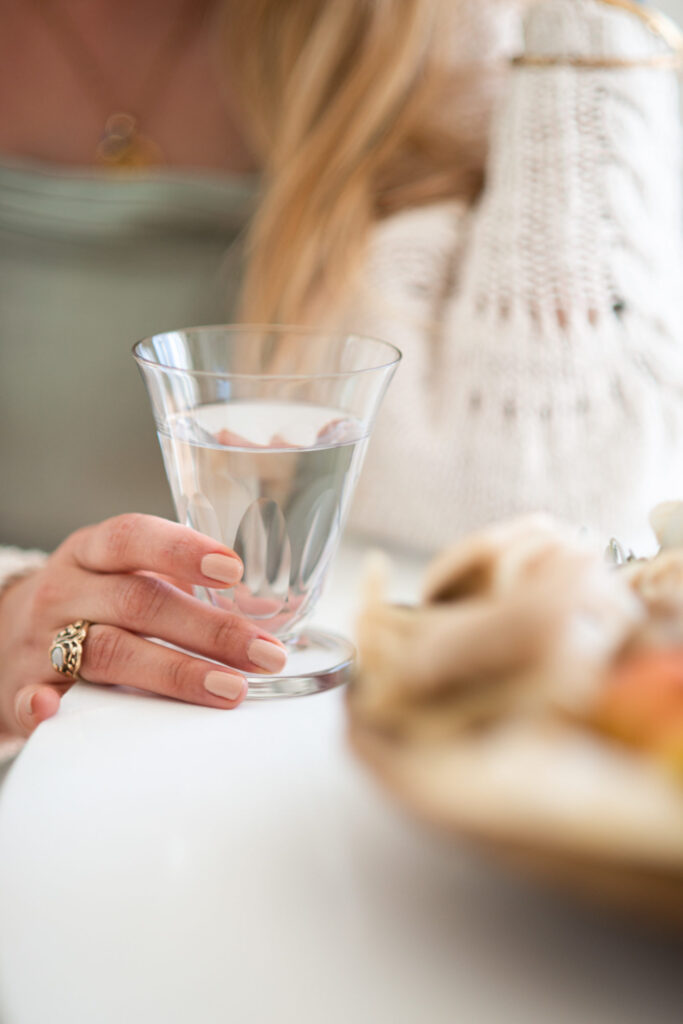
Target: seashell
pixel 519 617
pixel 658 583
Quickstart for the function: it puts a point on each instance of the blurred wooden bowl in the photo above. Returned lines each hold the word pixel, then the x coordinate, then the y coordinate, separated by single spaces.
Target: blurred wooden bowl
pixel 547 799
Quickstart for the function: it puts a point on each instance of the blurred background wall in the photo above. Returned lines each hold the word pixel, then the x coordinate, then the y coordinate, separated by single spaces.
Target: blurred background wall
pixel 674 8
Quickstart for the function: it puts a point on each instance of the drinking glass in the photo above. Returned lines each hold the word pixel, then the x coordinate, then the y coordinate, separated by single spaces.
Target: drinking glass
pixel 263 431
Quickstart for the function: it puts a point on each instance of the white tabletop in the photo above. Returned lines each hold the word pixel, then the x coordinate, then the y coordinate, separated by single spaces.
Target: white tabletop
pixel 173 864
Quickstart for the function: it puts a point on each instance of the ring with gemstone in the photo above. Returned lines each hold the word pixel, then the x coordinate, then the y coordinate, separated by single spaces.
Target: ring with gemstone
pixel 66 652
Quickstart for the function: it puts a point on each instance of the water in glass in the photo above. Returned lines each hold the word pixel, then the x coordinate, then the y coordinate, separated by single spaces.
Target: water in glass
pixel 272 480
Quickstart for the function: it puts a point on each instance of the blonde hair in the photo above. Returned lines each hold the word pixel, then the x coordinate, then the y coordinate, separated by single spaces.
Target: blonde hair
pixel 340 98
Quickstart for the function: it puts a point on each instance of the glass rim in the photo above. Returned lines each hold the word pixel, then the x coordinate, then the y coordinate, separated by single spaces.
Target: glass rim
pixel 275 328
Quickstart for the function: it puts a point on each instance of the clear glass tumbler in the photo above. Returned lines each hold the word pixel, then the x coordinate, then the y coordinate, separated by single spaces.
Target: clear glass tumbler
pixel 263 431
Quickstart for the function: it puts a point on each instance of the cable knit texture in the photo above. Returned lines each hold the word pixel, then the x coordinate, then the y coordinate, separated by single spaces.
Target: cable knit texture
pixel 555 381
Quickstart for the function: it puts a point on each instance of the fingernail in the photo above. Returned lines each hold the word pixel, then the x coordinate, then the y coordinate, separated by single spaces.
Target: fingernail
pixel 23 707
pixel 221 567
pixel 225 684
pixel 266 655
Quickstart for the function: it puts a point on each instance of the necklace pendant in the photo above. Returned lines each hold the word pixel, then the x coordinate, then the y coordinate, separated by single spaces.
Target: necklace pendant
pixel 123 146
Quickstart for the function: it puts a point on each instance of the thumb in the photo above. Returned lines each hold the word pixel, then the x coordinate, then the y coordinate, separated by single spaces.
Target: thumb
pixel 33 704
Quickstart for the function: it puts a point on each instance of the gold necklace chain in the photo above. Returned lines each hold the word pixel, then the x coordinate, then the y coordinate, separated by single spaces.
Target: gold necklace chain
pixel 122 143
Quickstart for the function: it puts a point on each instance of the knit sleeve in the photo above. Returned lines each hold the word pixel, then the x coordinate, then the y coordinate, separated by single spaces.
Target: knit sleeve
pixel 14 564
pixel 17 562
pixel 557 379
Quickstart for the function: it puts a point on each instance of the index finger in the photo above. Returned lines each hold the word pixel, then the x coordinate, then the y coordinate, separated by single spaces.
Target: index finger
pixel 134 542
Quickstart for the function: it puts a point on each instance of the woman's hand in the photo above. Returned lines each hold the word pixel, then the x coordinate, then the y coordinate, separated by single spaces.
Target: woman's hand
pixel 110 575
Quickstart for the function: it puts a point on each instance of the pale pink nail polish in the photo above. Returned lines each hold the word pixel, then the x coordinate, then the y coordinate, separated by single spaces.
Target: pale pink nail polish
pixel 221 567
pixel 267 655
pixel 225 684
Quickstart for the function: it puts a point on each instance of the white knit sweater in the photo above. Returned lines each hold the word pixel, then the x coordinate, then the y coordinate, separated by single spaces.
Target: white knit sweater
pixel 555 380
pixel 541 331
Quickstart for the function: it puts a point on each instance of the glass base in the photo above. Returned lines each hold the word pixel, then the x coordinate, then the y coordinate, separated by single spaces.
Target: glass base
pixel 317 661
